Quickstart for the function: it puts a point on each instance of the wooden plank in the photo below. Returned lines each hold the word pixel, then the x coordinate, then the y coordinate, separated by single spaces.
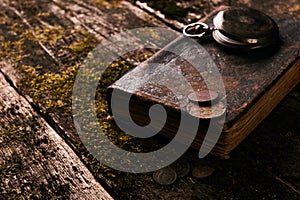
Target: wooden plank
pixel 178 14
pixel 35 161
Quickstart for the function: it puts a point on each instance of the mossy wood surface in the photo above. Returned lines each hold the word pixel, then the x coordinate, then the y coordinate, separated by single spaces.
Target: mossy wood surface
pixel 35 161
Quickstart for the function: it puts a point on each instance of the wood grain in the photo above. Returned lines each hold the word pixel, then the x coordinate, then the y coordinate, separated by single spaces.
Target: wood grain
pixel 35 161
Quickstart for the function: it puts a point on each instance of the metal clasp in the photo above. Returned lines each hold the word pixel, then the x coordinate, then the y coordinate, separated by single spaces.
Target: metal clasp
pixel 198 29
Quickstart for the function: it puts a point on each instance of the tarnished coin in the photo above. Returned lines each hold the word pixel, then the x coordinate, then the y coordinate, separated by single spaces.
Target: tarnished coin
pixel 202 171
pixel 181 167
pixel 203 96
pixel 207 112
pixel 165 176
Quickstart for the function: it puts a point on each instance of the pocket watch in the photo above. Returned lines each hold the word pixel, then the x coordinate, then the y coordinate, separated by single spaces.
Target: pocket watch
pixel 238 27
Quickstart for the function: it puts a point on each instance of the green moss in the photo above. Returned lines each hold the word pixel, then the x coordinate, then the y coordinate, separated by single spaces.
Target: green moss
pixel 107 4
pixel 43 14
pixel 52 90
pixel 83 47
pixel 44 34
pixel 17 28
pixel 12 135
pixel 12 50
pixel 4 19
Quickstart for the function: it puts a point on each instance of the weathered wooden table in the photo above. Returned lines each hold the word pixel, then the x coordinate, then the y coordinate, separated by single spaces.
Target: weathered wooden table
pixel 43 43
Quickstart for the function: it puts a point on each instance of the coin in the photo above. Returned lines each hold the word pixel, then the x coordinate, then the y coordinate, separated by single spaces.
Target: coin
pixel 181 167
pixel 165 176
pixel 203 96
pixel 206 112
pixel 202 171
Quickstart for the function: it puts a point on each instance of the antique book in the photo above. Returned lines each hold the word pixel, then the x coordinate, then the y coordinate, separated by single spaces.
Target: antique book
pixel 254 82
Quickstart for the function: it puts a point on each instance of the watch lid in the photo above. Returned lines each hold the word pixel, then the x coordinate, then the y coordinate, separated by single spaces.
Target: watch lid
pixel 241 27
